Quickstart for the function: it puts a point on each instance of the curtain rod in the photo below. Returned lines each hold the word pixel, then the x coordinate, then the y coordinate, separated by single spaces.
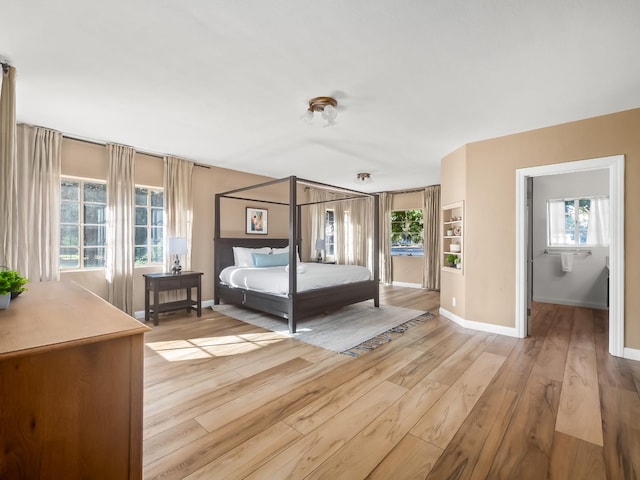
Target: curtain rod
pixel 414 189
pixel 102 144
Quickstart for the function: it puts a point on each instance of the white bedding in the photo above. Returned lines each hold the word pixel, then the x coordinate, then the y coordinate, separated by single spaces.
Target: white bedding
pixel 275 280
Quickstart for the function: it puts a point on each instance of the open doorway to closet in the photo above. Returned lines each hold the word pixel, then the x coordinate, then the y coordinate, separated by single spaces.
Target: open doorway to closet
pixel 528 245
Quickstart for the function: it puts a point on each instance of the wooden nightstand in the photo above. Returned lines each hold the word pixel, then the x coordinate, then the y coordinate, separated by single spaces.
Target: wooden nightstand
pixel 162 282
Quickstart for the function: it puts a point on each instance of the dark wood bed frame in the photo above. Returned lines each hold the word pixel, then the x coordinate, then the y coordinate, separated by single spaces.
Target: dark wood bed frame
pixel 297 305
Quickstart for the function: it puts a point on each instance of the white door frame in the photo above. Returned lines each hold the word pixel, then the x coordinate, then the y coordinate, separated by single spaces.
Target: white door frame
pixel 615 165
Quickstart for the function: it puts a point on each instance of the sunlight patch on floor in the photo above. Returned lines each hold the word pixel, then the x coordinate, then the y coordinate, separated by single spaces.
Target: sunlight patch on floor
pixel 210 347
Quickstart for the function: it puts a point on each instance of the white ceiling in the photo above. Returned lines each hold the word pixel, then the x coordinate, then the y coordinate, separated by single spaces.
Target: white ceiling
pixel 226 82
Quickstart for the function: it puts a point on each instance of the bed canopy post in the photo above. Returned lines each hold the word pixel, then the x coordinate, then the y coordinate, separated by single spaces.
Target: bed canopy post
pixel 376 246
pixel 216 236
pixel 293 250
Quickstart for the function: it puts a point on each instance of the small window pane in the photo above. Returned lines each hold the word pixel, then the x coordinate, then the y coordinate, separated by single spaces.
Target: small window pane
pixel 142 255
pixel 69 236
pixel 141 215
pixel 156 217
pixel 157 199
pixel 141 196
pixel 156 235
pixel 69 190
pixel 95 192
pixel 94 235
pixel 94 214
pixel 156 254
pixel 94 257
pixel 69 257
pixel 141 236
pixel 69 212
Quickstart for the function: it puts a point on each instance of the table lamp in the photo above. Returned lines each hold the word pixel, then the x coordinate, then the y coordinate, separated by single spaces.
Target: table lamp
pixel 177 247
pixel 319 248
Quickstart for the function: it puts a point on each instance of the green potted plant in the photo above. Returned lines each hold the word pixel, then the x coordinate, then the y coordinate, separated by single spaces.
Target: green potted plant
pixel 11 283
pixel 451 260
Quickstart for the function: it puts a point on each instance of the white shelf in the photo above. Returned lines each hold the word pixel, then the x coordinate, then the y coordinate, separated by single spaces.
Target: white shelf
pixel 454 210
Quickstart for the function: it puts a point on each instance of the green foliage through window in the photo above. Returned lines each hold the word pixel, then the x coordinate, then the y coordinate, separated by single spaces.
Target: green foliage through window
pixel 407 232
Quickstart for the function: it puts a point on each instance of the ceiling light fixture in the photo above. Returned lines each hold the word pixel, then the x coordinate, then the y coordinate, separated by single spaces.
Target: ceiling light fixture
pixel 363 178
pixel 327 106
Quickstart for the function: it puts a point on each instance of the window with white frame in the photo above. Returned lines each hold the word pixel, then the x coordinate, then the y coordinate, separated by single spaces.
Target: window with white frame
pixel 82 223
pixel 149 226
pixel 574 222
pixel 407 232
pixel 329 233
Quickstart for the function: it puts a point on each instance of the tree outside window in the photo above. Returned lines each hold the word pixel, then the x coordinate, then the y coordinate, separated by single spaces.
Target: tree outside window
pixel 407 232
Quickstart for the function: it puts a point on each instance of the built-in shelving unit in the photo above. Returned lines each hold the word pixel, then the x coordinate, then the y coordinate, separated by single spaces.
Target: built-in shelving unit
pixel 453 237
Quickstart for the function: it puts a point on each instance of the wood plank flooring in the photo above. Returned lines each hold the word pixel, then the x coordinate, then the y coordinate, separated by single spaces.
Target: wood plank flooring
pixel 226 400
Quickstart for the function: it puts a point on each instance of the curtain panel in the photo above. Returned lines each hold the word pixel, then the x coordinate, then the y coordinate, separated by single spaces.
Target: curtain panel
pixel 120 227
pixel 386 265
pixel 178 206
pixel 38 196
pixel 8 222
pixel 318 199
pixel 431 222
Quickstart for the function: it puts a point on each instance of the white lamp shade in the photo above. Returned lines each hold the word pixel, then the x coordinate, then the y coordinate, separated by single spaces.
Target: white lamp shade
pixel 319 244
pixel 177 246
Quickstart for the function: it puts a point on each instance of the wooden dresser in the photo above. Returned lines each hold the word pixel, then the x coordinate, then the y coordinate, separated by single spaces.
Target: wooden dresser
pixel 71 386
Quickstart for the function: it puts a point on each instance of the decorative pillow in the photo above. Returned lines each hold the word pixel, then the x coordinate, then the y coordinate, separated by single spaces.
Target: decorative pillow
pixel 270 260
pixel 242 255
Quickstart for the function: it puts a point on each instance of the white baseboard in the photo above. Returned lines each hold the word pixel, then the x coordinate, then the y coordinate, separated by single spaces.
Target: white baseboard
pixel 139 315
pixel 480 326
pixel 405 284
pixel 571 303
pixel 631 353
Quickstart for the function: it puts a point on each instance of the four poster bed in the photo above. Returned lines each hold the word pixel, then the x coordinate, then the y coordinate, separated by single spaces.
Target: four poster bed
pixel 299 295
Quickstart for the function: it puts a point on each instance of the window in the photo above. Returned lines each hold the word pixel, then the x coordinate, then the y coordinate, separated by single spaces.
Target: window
pixel 407 232
pixel 149 226
pixel 329 233
pixel 578 221
pixel 82 223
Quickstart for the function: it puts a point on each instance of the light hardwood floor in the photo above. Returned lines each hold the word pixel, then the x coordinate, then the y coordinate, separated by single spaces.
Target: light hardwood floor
pixel 226 400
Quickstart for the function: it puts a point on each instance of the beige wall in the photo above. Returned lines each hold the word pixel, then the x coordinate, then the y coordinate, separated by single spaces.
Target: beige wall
pixel 453 178
pixel 489 277
pixel 87 160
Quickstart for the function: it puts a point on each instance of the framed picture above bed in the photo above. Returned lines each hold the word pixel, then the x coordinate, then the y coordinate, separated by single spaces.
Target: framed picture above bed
pixel 257 220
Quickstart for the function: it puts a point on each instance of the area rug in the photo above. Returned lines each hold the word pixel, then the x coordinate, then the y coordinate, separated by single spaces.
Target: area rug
pixel 351 330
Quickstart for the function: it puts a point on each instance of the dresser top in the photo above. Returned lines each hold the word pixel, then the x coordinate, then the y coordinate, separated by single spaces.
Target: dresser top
pixel 53 315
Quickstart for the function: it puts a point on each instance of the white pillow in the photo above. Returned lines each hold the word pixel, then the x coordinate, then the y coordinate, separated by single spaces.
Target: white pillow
pixel 242 256
pixel 285 250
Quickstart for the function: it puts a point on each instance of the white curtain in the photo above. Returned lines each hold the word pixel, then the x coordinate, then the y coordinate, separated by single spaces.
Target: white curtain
pixel 120 226
pixel 354 232
pixel 557 231
pixel 598 229
pixel 8 223
pixel 431 223
pixel 38 195
pixel 386 265
pixel 178 205
pixel 317 217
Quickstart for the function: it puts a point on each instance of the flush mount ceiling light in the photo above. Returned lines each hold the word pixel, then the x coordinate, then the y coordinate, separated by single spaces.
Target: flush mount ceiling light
pixel 327 107
pixel 363 178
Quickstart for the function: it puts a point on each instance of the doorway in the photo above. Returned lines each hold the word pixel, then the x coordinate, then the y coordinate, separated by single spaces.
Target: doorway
pixel 615 167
